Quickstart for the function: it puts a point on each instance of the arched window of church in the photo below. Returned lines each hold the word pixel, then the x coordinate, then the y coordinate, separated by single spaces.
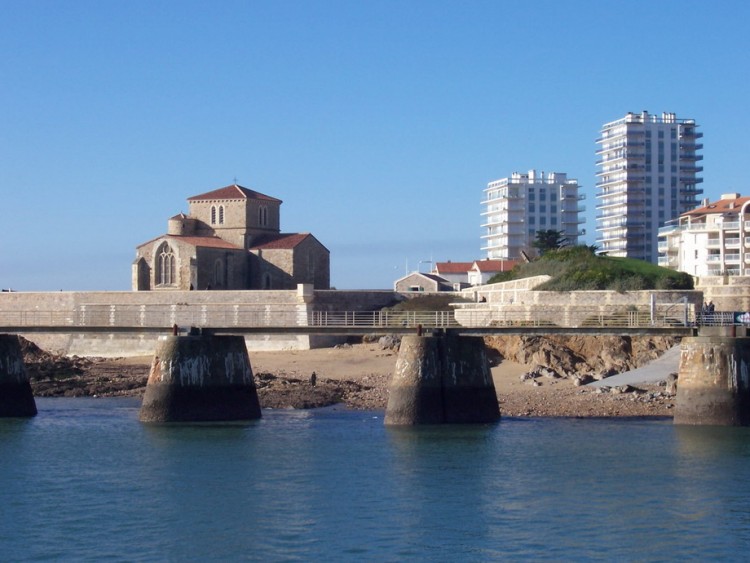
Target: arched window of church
pixel 221 215
pixel 262 216
pixel 166 270
pixel 213 214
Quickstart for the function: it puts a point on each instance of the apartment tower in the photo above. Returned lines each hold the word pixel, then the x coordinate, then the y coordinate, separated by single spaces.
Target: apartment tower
pixel 647 176
pixel 519 206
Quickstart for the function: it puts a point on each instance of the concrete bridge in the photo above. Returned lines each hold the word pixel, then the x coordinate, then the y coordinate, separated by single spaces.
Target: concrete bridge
pixel 441 374
pixel 242 319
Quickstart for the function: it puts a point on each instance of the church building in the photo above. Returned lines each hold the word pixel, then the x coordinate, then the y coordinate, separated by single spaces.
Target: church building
pixel 230 239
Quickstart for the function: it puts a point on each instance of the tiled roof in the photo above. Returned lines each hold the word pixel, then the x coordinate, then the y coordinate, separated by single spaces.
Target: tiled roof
pixel 205 242
pixel 280 241
pixel 232 192
pixel 453 267
pixel 721 206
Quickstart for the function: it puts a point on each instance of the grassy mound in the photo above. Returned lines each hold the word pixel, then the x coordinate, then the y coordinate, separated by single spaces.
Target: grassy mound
pixel 577 268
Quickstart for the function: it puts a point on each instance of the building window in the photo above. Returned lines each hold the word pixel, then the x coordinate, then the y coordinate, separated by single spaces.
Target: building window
pixel 263 216
pixel 213 214
pixel 165 266
pixel 221 215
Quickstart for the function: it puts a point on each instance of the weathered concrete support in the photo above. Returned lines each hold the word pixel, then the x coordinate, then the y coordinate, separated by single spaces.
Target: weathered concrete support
pixel 200 378
pixel 16 398
pixel 441 379
pixel 713 385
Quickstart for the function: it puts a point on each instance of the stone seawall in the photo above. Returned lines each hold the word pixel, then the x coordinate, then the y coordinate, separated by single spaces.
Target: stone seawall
pixel 184 308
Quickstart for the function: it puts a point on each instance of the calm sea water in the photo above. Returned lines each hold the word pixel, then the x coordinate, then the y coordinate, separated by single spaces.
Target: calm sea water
pixel 84 480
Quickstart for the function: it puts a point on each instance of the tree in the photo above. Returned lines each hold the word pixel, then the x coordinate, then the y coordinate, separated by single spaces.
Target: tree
pixel 549 240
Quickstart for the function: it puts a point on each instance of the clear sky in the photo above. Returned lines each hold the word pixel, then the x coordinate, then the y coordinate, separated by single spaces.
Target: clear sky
pixel 378 123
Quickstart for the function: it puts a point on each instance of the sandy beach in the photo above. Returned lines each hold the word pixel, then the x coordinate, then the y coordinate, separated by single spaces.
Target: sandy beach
pixel 369 364
pixel 356 375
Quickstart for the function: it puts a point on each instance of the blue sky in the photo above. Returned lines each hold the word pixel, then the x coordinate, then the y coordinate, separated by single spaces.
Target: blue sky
pixel 377 123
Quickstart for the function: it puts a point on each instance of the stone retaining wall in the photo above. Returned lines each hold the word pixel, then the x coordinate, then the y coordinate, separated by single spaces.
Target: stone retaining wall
pixel 69 306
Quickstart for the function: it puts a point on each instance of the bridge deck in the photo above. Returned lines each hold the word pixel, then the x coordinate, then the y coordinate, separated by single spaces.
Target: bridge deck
pixel 244 319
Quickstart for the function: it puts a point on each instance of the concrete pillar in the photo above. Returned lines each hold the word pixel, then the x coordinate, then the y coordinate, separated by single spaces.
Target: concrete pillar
pixel 16 398
pixel 441 379
pixel 713 384
pixel 200 378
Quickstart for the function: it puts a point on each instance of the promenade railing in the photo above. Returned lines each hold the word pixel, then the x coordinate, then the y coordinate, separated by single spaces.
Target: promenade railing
pixel 248 316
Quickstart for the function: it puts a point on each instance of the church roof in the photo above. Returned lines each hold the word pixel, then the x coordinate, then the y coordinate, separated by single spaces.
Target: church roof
pixel 279 242
pixel 205 242
pixel 233 192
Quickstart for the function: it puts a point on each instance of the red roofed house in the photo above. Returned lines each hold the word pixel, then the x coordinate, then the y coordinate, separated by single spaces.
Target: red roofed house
pixel 230 239
pixel 482 270
pixel 710 240
pixel 465 274
pixel 453 272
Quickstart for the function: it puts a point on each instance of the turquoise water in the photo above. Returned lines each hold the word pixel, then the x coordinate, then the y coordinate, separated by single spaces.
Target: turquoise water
pixel 84 480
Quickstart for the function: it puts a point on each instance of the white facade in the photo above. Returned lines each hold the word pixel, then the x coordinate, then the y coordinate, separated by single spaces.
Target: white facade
pixel 712 240
pixel 519 206
pixel 647 177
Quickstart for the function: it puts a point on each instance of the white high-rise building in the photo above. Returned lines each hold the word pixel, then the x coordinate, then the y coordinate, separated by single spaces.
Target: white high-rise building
pixel 647 177
pixel 519 206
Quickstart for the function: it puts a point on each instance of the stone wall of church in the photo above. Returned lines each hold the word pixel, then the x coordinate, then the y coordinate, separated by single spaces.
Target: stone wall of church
pixel 311 264
pixel 220 268
pixel 272 268
pixel 241 218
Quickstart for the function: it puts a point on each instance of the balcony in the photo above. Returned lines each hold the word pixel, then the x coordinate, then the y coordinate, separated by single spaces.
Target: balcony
pixel 732 242
pixel 713 243
pixel 731 258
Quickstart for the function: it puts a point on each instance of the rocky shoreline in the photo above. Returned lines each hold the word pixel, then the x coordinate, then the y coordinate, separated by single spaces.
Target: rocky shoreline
pixel 541 391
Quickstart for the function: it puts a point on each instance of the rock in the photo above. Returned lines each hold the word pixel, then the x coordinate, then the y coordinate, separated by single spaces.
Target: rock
pixel 579 380
pixel 570 354
pixel 389 342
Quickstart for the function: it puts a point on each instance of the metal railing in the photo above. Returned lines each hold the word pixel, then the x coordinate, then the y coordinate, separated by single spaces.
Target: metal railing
pixel 244 316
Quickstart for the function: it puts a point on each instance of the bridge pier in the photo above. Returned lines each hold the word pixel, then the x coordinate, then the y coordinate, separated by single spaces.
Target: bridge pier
pixel 713 385
pixel 16 398
pixel 441 380
pixel 200 378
